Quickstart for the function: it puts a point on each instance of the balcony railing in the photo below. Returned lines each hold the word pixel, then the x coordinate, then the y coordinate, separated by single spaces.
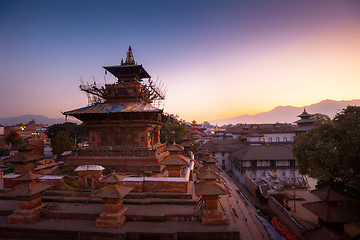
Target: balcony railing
pixel 266 167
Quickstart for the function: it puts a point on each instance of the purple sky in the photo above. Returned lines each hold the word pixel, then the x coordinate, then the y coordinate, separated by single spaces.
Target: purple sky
pixel 218 59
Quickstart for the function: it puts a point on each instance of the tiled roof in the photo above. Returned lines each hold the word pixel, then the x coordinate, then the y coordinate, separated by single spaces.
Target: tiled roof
pixel 212 167
pixel 128 69
pixel 329 195
pixel 320 234
pixel 174 148
pixel 23 157
pixel 331 212
pixel 262 128
pixel 271 152
pixel 208 175
pixel 29 176
pixel 107 108
pixel 186 144
pixel 28 189
pixel 112 192
pixel 175 160
pixel 209 159
pixel 113 178
pixel 222 145
pixel 208 189
pixel 89 168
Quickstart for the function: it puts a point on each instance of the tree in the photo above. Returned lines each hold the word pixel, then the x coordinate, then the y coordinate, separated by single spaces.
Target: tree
pixel 74 130
pixel 62 142
pixel 330 152
pixel 321 118
pixel 13 138
pixel 173 130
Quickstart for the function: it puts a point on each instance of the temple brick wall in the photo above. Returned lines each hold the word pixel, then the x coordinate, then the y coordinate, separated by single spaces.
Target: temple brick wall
pixel 158 186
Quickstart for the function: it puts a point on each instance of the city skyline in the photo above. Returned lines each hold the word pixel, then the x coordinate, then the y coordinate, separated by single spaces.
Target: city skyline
pixel 216 60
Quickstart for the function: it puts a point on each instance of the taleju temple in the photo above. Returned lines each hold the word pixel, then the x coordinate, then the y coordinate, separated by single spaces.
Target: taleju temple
pixel 126 184
pixel 124 126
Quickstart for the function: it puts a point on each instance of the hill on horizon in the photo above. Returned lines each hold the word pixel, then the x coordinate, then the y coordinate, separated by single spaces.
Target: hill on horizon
pixel 39 119
pixel 288 114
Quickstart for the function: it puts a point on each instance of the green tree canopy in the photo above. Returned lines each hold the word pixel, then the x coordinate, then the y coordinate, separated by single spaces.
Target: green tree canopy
pixel 63 137
pixel 62 142
pixel 74 130
pixel 173 130
pixel 330 152
pixel 13 138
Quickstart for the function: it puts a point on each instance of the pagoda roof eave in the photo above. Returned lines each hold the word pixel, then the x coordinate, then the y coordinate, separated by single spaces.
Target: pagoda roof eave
pixel 106 108
pixel 127 69
pixel 209 189
pixel 175 160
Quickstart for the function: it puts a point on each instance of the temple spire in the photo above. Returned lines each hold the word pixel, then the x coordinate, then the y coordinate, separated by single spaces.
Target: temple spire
pixel 130 57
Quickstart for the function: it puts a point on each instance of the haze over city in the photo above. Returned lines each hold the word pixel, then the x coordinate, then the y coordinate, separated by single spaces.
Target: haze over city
pixel 216 59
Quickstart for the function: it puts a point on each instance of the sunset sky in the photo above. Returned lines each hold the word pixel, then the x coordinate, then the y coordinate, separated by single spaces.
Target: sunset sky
pixel 217 59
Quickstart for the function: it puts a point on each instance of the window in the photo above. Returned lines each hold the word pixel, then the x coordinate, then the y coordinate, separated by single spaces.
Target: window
pixel 273 163
pixel 292 163
pixel 253 163
pixel 277 139
pixel 285 139
pixel 270 139
pixel 223 154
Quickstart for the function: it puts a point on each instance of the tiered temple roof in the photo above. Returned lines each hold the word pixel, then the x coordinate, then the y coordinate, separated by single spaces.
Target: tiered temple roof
pixel 176 160
pixel 209 189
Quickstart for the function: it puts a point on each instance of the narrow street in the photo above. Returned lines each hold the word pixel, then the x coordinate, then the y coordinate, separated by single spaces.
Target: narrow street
pixel 241 212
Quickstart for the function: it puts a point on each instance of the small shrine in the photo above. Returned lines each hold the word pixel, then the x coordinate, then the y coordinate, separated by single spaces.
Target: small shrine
pixel 209 192
pixel 29 196
pixel 175 163
pixel 209 160
pixel 25 160
pixel 89 176
pixel 208 176
pixel 112 194
pixel 187 145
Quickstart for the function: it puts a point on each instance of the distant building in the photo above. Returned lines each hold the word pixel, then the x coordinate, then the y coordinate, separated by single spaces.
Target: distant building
pixel 259 161
pixel 306 122
pixel 221 149
pixel 265 133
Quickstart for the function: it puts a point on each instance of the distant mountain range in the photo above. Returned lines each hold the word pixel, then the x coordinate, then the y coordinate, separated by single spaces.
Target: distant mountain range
pixel 39 119
pixel 288 114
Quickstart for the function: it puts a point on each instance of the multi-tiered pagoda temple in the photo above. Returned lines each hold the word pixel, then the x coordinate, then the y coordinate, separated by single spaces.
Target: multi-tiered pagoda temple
pixel 123 123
